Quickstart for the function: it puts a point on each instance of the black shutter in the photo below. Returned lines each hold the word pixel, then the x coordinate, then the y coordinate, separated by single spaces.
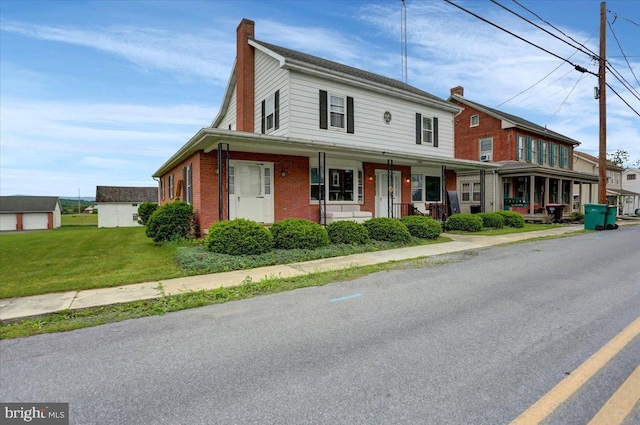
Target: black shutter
pixel 276 110
pixel 350 126
pixel 435 132
pixel 184 184
pixel 418 129
pixel 324 124
pixel 262 127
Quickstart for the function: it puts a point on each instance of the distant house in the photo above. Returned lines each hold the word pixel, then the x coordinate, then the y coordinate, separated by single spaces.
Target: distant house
pixel 118 206
pixel 29 213
pixel 631 197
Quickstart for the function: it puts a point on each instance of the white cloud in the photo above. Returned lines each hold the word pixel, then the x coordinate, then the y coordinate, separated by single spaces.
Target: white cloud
pixel 208 55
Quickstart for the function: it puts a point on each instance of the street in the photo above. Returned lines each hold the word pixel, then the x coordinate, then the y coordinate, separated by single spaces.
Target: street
pixel 477 339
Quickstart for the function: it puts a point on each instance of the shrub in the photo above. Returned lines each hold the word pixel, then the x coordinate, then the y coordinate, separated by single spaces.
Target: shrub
pixel 145 210
pixel 492 220
pixel 239 237
pixel 512 218
pixel 465 222
pixel 170 221
pixel 347 232
pixel 298 233
pixel 422 227
pixel 387 229
pixel 577 216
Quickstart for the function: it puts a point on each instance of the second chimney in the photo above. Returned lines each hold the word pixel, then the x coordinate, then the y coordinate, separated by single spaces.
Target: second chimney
pixel 459 90
pixel 245 83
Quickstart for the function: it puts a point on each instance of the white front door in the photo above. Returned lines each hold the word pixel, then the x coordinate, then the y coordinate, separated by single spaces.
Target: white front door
pixel 251 191
pixel 384 191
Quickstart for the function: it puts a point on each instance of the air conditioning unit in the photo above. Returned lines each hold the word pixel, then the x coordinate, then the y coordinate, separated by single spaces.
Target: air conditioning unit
pixel 485 157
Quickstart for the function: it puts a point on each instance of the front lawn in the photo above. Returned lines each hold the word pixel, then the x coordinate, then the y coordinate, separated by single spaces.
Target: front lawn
pixel 528 227
pixel 79 219
pixel 73 258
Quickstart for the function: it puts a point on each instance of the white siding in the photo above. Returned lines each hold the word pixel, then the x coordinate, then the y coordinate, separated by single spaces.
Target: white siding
pixel 230 117
pixel 491 181
pixel 8 222
pixel 369 108
pixel 35 221
pixel 117 215
pixel 268 79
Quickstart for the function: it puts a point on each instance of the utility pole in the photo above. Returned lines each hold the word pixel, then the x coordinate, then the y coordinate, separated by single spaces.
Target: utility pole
pixel 602 89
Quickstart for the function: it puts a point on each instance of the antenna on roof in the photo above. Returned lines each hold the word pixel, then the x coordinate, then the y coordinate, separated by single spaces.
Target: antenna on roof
pixel 403 39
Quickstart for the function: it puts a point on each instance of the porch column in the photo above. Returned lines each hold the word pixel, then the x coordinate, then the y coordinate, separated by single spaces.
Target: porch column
pixel 561 191
pixel 580 198
pixel 546 191
pixel 532 194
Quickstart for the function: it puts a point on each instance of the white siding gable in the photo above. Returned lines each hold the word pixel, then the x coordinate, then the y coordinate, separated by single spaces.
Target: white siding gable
pixel 229 120
pixel 270 78
pixel 371 131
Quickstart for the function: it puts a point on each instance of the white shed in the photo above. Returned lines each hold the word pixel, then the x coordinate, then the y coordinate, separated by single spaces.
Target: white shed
pixel 29 213
pixel 118 206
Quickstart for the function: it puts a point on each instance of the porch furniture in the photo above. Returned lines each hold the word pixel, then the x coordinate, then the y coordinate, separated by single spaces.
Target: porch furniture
pixel 346 212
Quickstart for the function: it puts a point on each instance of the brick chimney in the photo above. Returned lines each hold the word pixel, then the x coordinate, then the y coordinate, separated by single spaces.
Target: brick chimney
pixel 245 68
pixel 459 90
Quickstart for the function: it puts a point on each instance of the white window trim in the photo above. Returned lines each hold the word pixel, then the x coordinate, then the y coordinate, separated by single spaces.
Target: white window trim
pixel 344 112
pixel 520 146
pixel 477 119
pixel 466 192
pixel 270 112
pixel 485 152
pixel 429 131
pixel 423 187
pixel 358 190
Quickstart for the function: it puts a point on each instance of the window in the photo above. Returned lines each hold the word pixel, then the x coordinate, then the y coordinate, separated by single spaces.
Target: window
pixel 171 187
pixel 486 146
pixel 631 176
pixel 270 112
pixel 135 218
pixel 267 181
pixel 465 191
pixel 534 157
pixel 474 121
pixel 617 175
pixel 344 184
pixel 554 153
pixel 544 153
pixel 162 189
pixel 189 184
pixel 476 192
pixel 425 188
pixel 564 156
pixel 232 180
pixel 520 148
pixel 426 130
pixel 336 112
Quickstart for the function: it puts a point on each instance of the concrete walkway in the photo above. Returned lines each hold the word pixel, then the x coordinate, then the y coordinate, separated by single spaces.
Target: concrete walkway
pixel 15 308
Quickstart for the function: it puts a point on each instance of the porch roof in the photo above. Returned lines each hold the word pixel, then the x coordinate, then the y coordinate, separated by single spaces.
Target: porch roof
pixel 516 168
pixel 621 192
pixel 208 139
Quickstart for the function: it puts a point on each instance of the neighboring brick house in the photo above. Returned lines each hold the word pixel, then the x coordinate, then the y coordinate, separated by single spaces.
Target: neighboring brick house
pixel 297 136
pixel 118 206
pixel 29 213
pixel 536 166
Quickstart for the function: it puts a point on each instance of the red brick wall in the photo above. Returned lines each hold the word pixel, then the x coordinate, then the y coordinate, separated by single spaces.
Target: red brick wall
pixel 369 188
pixel 245 85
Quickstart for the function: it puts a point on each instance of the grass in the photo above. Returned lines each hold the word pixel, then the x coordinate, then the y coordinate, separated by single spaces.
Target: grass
pixel 528 227
pixel 79 219
pixel 72 258
pixel 76 319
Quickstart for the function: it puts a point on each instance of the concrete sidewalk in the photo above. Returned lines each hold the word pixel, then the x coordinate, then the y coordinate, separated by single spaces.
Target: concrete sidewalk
pixel 14 308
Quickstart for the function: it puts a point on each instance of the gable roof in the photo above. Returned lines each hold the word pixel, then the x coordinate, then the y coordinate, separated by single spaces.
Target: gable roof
pixel 126 194
pixel 514 120
pixel 17 204
pixel 595 160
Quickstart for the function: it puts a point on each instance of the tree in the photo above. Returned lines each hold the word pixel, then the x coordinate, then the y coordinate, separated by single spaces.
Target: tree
pixel 618 157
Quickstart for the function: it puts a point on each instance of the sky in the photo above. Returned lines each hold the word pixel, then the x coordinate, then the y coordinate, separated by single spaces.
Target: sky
pixel 104 92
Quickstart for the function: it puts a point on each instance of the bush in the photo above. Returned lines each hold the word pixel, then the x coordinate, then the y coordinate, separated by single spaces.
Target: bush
pixel 492 220
pixel 298 233
pixel 465 222
pixel 347 232
pixel 239 237
pixel 387 229
pixel 170 221
pixel 577 216
pixel 512 218
pixel 422 227
pixel 145 210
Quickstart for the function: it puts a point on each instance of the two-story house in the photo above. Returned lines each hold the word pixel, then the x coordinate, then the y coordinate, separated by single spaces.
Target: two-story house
pixel 298 136
pixel 536 166
pixel 589 194
pixel 631 185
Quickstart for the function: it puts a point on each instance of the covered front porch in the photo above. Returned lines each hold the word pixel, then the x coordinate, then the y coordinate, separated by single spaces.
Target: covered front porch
pixel 530 190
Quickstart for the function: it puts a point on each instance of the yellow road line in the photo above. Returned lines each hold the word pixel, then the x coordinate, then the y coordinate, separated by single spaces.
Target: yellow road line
pixel 621 403
pixel 544 407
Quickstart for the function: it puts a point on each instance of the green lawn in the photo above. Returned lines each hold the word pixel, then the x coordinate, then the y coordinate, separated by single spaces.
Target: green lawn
pixel 528 227
pixel 73 258
pixel 79 219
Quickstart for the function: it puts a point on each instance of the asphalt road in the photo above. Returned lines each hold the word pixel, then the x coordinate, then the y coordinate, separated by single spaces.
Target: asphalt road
pixel 475 340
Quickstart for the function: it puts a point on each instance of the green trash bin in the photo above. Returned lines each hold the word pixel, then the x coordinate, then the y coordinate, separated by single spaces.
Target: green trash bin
pixel 610 217
pixel 594 215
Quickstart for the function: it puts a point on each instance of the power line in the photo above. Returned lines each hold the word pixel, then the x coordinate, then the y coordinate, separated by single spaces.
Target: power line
pixel 591 54
pixel 622 51
pixel 623 81
pixel 629 20
pixel 625 102
pixel 567 97
pixel 576 67
pixel 555 28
